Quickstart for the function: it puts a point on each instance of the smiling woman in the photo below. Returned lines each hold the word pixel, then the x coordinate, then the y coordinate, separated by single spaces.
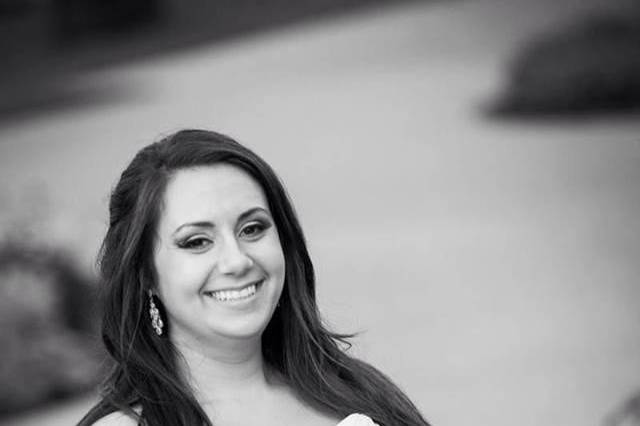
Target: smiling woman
pixel 219 264
pixel 209 302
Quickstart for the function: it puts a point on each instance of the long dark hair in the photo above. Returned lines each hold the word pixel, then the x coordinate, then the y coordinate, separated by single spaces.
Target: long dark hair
pixel 295 343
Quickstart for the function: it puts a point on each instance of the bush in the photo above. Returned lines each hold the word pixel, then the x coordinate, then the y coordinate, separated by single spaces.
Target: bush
pixel 593 66
pixel 48 328
pixel 628 414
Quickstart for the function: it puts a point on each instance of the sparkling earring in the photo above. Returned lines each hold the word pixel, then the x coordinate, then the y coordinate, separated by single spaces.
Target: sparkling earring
pixel 154 313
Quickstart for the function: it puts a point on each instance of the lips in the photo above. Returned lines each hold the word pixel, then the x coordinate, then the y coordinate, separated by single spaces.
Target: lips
pixel 234 294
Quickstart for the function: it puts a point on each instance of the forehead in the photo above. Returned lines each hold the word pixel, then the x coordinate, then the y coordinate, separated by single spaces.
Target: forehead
pixel 213 192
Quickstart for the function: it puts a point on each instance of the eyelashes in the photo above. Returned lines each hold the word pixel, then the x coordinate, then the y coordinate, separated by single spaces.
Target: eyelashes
pixel 195 243
pixel 253 231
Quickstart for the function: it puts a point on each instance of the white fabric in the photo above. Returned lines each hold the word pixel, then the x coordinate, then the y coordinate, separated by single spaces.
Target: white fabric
pixel 357 420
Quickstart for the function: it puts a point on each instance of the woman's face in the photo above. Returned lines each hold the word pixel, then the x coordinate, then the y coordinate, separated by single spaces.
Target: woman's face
pixel 220 267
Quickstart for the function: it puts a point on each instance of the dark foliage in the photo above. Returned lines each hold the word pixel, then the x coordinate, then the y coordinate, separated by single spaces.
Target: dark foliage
pixel 628 414
pixel 590 67
pixel 48 324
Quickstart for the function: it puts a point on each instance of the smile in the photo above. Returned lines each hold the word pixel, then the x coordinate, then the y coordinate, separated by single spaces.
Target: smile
pixel 245 292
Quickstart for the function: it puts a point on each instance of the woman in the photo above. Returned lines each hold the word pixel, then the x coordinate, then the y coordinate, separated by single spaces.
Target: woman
pixel 209 306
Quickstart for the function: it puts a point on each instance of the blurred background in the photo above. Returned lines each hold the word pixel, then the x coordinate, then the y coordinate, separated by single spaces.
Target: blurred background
pixel 467 174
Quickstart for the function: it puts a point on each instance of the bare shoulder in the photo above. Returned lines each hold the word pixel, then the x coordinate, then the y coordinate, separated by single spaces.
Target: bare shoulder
pixel 117 418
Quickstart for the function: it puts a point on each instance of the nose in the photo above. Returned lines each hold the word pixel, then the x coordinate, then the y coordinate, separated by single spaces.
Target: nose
pixel 233 260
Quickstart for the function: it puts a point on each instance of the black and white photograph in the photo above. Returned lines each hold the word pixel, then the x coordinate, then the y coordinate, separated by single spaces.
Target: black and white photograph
pixel 320 212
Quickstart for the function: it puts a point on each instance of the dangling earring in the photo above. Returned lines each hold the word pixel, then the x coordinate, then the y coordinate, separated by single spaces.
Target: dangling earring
pixel 154 313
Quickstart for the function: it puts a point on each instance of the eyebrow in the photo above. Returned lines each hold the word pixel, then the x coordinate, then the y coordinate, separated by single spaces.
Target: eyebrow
pixel 207 224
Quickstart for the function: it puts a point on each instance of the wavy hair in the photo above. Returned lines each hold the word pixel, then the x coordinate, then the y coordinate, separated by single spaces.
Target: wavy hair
pixel 295 343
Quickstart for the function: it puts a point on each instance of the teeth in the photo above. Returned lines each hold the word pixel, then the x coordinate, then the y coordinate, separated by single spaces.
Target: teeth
pixel 225 295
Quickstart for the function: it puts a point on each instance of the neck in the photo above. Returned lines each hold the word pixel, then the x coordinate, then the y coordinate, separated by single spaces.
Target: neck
pixel 223 372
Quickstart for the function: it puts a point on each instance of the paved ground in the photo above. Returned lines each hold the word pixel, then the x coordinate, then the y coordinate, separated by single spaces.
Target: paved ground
pixel 493 266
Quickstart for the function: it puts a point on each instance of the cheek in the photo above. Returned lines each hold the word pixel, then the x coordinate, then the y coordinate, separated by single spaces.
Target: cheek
pixel 278 268
pixel 274 257
pixel 176 272
pixel 269 256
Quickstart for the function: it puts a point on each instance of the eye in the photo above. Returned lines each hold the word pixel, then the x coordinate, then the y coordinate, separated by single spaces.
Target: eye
pixel 253 230
pixel 195 243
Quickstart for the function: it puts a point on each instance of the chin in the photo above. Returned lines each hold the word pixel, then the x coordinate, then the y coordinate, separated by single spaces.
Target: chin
pixel 241 328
